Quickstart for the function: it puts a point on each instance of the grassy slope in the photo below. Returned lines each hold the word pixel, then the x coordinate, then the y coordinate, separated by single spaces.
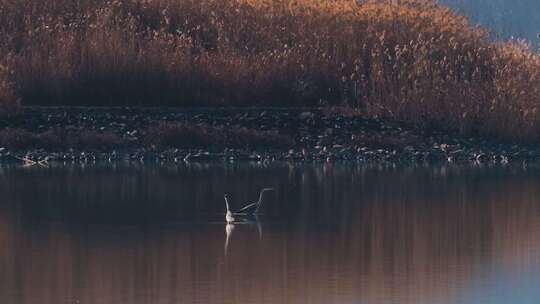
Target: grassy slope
pixel 415 61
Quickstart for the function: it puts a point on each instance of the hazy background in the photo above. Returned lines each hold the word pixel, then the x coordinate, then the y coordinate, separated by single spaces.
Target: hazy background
pixel 517 18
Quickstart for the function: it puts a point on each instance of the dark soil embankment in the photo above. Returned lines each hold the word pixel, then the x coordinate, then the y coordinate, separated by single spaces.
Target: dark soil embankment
pixel 88 134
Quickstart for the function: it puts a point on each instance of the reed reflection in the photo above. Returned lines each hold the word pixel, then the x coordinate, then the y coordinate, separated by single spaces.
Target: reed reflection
pixel 334 235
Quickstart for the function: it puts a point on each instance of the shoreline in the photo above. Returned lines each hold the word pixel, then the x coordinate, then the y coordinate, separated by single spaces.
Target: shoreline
pixel 301 135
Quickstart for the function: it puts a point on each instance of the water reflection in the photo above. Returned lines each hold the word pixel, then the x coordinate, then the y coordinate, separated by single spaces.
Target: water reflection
pixel 332 234
pixel 249 221
pixel 228 231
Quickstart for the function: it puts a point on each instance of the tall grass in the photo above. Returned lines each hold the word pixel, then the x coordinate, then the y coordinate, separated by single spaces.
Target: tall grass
pixel 410 60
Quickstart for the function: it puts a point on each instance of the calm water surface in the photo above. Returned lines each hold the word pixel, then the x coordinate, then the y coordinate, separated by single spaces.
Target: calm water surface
pixel 106 234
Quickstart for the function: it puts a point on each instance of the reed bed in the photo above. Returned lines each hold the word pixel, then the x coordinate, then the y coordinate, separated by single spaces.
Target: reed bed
pixel 408 60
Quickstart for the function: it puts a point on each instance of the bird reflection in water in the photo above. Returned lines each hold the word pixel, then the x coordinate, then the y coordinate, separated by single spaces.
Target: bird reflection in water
pixel 246 215
pixel 230 226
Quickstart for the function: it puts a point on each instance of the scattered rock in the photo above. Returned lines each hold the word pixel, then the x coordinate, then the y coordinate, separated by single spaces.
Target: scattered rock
pixel 306 115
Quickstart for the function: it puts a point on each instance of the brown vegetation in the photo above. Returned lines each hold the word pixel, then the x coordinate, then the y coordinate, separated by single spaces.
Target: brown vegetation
pixel 414 61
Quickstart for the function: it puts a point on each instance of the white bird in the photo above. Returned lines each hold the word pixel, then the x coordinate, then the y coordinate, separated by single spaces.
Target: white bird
pixel 251 208
pixel 228 216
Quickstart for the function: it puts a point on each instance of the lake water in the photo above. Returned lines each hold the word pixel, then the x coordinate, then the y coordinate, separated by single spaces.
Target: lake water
pixel 329 233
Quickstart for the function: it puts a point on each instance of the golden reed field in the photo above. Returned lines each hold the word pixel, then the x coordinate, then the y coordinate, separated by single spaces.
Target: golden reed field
pixel 414 61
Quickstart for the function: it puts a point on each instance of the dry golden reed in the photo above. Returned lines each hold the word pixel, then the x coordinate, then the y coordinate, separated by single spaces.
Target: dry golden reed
pixel 408 60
